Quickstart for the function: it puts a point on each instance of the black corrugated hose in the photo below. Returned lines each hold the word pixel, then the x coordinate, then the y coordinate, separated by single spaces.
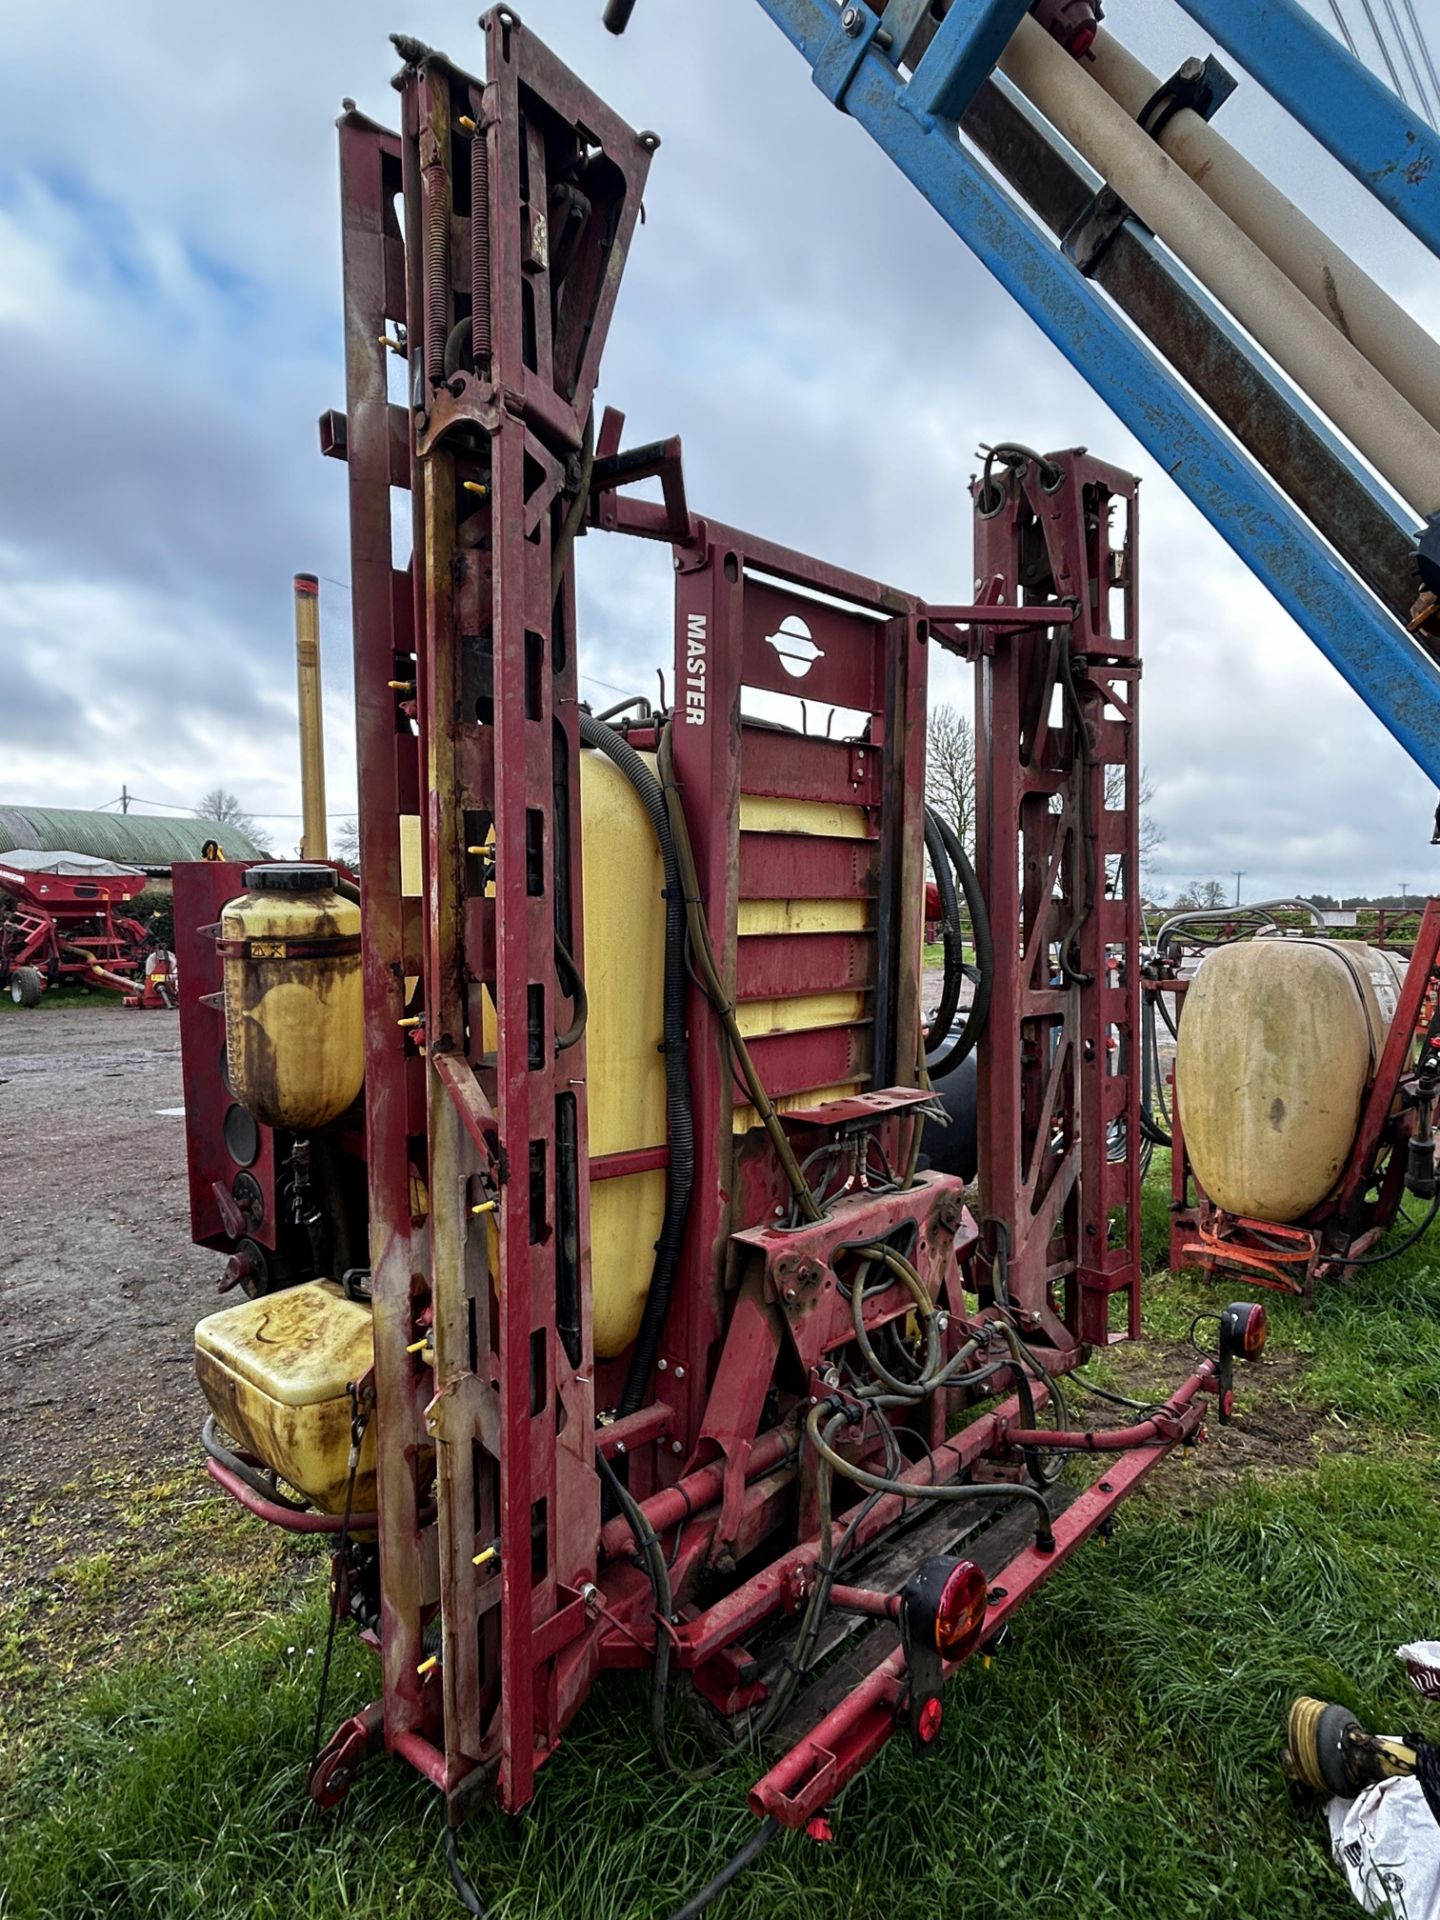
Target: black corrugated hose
pixel 984 953
pixel 939 1028
pixel 680 1125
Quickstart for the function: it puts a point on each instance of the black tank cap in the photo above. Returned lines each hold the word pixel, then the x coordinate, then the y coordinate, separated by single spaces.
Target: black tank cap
pixel 295 877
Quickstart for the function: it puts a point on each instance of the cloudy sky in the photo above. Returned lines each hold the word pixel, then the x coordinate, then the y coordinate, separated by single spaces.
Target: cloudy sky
pixel 170 329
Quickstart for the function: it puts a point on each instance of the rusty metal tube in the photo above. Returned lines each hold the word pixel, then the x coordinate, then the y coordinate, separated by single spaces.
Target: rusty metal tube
pixel 313 844
pixel 1394 344
pixel 286 1517
pixel 696 1492
pixel 1384 427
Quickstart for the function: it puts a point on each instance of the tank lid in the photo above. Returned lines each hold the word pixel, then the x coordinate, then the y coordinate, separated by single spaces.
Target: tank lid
pixel 295 877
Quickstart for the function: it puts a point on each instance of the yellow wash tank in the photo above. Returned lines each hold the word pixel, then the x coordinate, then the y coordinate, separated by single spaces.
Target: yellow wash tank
pixel 1279 1039
pixel 277 1372
pixel 294 1021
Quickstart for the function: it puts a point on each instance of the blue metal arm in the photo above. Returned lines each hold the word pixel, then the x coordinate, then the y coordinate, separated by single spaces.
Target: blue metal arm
pixel 1372 653
pixel 1330 93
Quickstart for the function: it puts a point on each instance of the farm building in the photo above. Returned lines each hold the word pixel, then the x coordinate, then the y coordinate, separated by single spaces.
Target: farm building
pixel 153 842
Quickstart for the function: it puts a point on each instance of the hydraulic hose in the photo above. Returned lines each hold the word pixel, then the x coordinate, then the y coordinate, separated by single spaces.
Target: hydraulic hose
pixel 680 1122
pixel 1152 1093
pixel 702 955
pixel 944 872
pixel 575 513
pixel 573 987
pixel 754 1846
pixel 984 1492
pixel 1088 861
pixel 984 944
pixel 260 1481
pixel 1389 1253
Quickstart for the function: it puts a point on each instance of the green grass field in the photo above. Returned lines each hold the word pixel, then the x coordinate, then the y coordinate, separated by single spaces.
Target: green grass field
pixel 1119 1757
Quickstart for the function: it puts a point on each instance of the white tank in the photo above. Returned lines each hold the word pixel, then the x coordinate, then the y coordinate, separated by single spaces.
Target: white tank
pixel 1279 1039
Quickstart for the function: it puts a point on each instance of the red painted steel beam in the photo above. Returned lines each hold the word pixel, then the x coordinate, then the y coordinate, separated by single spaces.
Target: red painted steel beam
pixel 1059 867
pixel 389 786
pixel 275 1515
pixel 847 1739
pixel 740 1612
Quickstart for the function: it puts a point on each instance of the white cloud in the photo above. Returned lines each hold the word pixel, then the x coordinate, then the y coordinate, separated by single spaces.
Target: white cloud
pixel 170 325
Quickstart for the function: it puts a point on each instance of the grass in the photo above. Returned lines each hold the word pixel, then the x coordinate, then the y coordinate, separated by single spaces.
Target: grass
pixel 56 1000
pixel 1118 1758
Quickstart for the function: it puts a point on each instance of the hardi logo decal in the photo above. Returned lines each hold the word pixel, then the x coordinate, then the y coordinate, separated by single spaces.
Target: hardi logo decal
pixel 796 647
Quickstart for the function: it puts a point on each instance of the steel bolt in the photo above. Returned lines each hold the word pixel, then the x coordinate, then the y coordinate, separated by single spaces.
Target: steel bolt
pixel 679 1373
pixel 790 1293
pixel 662 1364
pixel 942 1323
pixel 852 20
pixel 619 1446
pixel 676 1447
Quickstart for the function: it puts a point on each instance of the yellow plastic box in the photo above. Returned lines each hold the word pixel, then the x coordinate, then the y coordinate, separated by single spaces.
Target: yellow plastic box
pixel 276 1372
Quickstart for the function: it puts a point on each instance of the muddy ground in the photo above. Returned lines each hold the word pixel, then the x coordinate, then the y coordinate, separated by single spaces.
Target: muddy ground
pixel 100 1289
pixel 99 1284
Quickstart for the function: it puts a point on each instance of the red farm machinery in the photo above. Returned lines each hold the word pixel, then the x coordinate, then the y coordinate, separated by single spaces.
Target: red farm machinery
pixel 1299 1097
pixel 65 923
pixel 608 1308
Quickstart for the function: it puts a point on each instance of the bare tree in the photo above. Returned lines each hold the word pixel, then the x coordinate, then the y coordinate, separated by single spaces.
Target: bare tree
pixel 1201 894
pixel 345 844
pixel 1152 834
pixel 950 770
pixel 222 805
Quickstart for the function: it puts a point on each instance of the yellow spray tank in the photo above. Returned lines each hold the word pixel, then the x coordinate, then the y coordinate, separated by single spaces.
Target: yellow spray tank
pixel 275 1370
pixel 1279 1039
pixel 294 1015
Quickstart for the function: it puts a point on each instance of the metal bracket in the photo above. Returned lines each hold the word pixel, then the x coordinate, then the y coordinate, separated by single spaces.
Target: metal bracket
pixel 1202 86
pixel 1089 234
pixel 839 59
pixel 961 57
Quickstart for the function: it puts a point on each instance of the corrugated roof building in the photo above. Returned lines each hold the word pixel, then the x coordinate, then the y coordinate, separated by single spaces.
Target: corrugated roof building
pixel 149 840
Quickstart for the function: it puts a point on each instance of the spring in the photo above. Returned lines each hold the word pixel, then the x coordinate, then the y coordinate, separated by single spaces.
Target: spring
pixel 437 222
pixel 480 245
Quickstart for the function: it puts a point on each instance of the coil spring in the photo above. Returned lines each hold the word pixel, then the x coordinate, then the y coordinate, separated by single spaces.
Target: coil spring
pixel 480 245
pixel 437 223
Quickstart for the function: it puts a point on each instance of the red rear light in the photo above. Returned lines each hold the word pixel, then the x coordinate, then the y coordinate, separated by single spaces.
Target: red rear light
pixel 960 1615
pixel 927 1726
pixel 1243 1330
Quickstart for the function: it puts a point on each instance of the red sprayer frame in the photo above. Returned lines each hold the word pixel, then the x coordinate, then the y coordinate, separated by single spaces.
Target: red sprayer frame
pixel 506 1584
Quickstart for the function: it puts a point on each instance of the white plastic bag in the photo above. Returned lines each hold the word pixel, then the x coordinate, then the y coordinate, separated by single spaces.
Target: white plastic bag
pixel 1387 1844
